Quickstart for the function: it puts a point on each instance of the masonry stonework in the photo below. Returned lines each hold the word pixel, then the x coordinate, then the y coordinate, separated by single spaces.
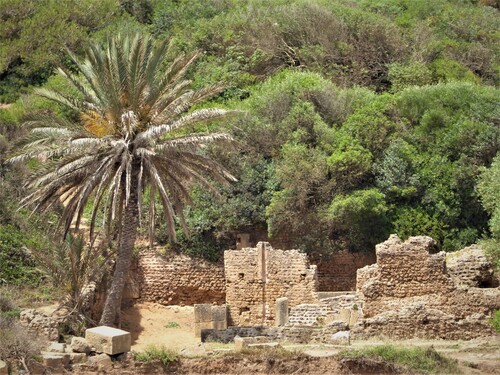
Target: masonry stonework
pixel 337 272
pixel 410 293
pixel 178 280
pixel 257 277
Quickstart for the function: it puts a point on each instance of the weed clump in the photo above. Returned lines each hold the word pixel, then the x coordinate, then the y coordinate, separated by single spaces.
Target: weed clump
pixel 423 360
pixel 156 353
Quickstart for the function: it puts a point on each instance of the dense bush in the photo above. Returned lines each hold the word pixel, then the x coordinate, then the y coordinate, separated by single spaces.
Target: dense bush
pixel 361 118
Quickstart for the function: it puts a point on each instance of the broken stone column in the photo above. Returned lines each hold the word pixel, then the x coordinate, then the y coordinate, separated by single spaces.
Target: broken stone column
pixel 281 311
pixel 108 340
pixel 202 318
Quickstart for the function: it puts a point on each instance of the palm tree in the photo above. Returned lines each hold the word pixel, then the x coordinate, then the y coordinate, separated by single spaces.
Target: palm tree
pixel 132 139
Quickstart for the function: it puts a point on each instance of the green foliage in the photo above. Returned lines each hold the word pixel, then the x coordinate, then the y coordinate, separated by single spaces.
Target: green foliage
pixel 404 76
pixel 17 265
pixel 423 360
pixel 172 325
pixel 495 320
pixel 361 216
pixel 156 353
pixel 35 33
pixel 488 188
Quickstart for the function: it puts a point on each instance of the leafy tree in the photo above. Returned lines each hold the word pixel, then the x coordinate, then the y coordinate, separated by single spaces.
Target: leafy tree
pixel 488 188
pixel 133 133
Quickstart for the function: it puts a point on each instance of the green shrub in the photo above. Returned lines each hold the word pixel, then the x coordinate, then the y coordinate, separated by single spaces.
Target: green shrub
pixel 422 360
pixel 172 325
pixel 156 353
pixel 495 320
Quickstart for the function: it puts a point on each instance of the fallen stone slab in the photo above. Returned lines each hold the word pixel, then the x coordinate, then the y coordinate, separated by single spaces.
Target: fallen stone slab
pixel 55 360
pixel 264 345
pixel 108 340
pixel 241 343
pixel 57 347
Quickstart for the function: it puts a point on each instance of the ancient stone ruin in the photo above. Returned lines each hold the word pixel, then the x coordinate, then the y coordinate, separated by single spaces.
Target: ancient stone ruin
pixel 257 277
pixel 412 293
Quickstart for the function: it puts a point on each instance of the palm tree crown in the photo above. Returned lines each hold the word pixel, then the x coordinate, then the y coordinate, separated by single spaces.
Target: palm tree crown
pixel 127 139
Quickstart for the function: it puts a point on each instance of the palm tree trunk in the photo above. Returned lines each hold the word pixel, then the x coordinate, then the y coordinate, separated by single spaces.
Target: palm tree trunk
pixel 130 223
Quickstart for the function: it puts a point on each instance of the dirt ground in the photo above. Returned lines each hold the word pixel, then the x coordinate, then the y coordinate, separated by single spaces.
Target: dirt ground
pixel 173 326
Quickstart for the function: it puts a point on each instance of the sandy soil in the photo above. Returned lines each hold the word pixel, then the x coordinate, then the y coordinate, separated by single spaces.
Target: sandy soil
pixel 172 326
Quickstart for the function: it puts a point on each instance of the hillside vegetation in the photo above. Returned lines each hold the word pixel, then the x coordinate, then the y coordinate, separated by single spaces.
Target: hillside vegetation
pixel 360 118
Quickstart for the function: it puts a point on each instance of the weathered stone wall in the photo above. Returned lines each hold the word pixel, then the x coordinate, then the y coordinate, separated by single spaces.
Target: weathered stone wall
pixel 410 293
pixel 256 277
pixel 177 279
pixel 337 272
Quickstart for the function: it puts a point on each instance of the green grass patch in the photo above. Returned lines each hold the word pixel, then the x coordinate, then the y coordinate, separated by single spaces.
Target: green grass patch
pixel 172 325
pixel 424 360
pixel 495 320
pixel 156 353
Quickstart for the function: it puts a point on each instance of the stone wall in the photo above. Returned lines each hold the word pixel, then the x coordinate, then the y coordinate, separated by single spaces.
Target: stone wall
pixel 337 272
pixel 256 277
pixel 177 279
pixel 411 293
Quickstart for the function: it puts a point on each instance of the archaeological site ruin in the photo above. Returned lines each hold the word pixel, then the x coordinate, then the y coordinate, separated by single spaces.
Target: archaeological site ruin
pixel 408 290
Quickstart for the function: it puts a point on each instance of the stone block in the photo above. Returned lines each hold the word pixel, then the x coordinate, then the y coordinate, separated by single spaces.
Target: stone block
pixel 57 347
pixel 55 360
pixel 4 369
pixel 281 311
pixel 80 345
pixel 239 344
pixel 103 361
pixel 199 326
pixel 341 338
pixel 202 313
pixel 77 357
pixel 219 313
pixel 108 340
pixel 219 325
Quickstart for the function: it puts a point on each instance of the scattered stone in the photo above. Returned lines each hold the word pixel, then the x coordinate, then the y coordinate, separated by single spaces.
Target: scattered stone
pixel 40 324
pixel 341 338
pixel 55 360
pixel 108 340
pixel 80 345
pixel 194 351
pixel 241 343
pixel 57 347
pixel 103 361
pixel 77 357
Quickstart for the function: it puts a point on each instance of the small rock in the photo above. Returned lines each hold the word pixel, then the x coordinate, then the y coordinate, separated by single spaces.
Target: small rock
pixel 80 345
pixel 341 338
pixel 103 361
pixel 77 357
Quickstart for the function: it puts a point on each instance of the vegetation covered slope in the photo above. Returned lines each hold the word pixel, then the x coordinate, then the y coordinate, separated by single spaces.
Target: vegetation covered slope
pixel 363 118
